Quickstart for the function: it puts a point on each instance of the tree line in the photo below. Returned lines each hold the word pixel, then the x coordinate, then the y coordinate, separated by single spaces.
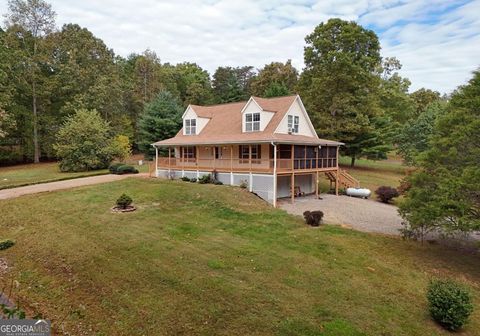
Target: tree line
pixel 47 73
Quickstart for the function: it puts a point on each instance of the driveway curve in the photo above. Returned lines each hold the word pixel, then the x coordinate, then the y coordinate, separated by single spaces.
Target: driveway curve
pixel 357 213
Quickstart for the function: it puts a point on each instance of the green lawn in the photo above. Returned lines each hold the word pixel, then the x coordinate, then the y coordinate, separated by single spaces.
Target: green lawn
pixel 21 175
pixel 373 174
pixel 214 260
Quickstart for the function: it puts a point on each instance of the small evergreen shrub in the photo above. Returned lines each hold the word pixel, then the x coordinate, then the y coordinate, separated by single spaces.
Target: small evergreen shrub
pixel 450 304
pixel 185 178
pixel 124 201
pixel 217 182
pixel 126 169
pixel 193 180
pixel 313 218
pixel 5 244
pixel 205 179
pixel 114 167
pixel 386 193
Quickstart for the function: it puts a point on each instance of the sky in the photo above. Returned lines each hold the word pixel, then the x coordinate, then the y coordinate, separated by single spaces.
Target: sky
pixel 437 41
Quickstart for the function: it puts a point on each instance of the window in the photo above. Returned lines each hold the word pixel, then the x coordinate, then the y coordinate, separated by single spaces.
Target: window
pixel 188 153
pixel 293 122
pixel 244 153
pixel 252 122
pixel 190 126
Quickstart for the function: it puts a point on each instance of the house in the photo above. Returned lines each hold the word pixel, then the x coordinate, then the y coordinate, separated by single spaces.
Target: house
pixel 266 144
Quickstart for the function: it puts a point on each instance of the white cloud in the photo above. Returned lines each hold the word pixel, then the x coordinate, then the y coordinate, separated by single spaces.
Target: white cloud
pixel 437 41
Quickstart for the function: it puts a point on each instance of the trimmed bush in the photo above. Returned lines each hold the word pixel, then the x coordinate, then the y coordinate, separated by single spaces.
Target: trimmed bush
pixel 5 244
pixel 217 182
pixel 186 179
pixel 126 169
pixel 124 201
pixel 313 218
pixel 114 167
pixel 205 179
pixel 243 184
pixel 386 193
pixel 450 304
pixel 193 180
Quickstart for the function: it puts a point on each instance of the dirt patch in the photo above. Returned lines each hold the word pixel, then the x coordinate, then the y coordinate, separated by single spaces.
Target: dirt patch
pixel 3 266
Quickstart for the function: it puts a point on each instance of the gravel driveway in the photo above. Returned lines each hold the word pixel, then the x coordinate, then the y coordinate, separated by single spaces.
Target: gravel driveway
pixel 59 185
pixel 360 214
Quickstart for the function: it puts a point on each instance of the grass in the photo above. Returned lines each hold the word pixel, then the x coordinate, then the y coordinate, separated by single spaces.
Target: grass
pixel 373 174
pixel 28 174
pixel 214 260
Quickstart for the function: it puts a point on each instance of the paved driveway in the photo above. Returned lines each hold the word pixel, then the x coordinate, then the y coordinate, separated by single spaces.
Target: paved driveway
pixel 59 185
pixel 360 214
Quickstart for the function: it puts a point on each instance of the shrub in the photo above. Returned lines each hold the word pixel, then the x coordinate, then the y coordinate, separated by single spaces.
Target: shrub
pixel 5 244
pixel 313 218
pixel 205 179
pixel 84 142
pixel 217 182
pixel 126 169
pixel 124 201
pixel 243 184
pixel 449 303
pixel 386 193
pixel 193 180
pixel 185 178
pixel 122 149
pixel 114 167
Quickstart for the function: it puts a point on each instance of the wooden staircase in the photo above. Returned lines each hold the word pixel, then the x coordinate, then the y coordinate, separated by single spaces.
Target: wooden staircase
pixel 345 180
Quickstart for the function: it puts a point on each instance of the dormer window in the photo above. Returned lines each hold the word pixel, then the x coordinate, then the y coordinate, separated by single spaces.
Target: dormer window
pixel 190 126
pixel 252 122
pixel 293 122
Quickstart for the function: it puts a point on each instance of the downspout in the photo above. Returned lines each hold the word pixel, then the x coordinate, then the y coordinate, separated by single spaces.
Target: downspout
pixel 274 174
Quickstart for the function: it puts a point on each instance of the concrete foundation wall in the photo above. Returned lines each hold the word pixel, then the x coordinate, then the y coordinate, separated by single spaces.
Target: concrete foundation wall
pixel 260 184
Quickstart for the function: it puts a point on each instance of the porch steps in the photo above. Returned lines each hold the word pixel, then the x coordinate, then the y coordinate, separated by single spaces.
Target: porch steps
pixel 345 180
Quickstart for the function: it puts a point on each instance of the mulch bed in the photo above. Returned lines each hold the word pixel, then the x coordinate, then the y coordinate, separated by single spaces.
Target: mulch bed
pixel 129 208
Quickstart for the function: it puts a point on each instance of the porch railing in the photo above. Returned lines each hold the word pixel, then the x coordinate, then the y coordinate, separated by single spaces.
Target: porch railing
pixel 236 164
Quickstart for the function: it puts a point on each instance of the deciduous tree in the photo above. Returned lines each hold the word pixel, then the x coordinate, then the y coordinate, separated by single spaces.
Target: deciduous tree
pixel 84 142
pixel 34 19
pixel 275 78
pixel 445 191
pixel 340 82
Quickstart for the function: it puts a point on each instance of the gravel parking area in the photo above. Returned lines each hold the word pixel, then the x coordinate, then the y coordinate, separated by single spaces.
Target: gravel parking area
pixel 360 214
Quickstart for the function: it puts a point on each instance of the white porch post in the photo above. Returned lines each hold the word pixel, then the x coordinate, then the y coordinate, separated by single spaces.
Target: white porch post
pixel 250 182
pixel 231 164
pixel 274 175
pixel 156 161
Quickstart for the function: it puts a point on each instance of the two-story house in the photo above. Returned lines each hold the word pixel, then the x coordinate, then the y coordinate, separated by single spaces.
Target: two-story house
pixel 268 145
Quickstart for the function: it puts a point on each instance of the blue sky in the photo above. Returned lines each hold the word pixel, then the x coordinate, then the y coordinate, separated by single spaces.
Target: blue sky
pixel 438 42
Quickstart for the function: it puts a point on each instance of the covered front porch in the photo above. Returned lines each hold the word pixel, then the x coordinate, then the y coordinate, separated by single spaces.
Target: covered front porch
pixel 255 158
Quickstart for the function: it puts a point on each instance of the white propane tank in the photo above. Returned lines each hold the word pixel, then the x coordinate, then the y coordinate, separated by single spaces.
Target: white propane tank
pixel 359 192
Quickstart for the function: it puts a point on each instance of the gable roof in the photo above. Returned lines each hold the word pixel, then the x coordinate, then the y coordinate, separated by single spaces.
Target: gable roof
pixel 225 125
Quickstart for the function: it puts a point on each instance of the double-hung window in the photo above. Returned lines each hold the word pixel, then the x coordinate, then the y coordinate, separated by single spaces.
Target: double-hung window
pixel 252 122
pixel 293 122
pixel 188 154
pixel 190 126
pixel 244 153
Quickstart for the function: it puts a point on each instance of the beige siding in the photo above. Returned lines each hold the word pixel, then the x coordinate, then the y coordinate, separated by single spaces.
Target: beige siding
pixel 304 126
pixel 265 117
pixel 228 158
